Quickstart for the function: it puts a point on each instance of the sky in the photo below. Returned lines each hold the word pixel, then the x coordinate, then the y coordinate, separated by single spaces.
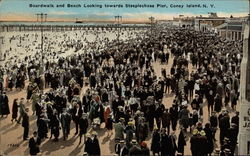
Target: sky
pixel 19 10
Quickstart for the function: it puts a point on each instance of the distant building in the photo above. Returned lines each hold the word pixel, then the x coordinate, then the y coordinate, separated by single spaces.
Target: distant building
pixel 232 29
pixel 184 22
pixel 165 22
pixel 208 23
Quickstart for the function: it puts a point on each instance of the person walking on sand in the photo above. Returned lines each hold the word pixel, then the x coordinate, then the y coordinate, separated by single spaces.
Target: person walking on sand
pixel 25 124
pixel 21 110
pixel 14 110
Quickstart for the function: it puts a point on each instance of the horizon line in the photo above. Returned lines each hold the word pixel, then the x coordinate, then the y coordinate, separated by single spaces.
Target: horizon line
pixel 83 21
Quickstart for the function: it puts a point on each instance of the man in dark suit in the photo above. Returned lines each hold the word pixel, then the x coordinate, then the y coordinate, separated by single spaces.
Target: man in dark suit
pixel 174 116
pixel 4 105
pixel 65 121
pixel 42 126
pixel 232 136
pixel 214 123
pixel 166 120
pixel 34 143
pixel 83 122
pixel 92 80
pixel 55 125
pixel 76 115
pixel 25 124
pixel 224 124
pixel 235 119
pixel 92 146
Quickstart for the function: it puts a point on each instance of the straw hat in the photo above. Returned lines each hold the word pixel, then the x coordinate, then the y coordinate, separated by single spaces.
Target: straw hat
pixel 195 132
pixel 130 123
pixel 94 133
pixel 121 119
pixel 202 133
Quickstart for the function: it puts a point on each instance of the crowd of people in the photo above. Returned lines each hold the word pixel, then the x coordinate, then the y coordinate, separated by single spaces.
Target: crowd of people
pixel 118 86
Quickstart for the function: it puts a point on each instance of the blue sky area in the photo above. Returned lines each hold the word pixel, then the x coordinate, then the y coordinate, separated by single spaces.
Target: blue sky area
pixel 20 10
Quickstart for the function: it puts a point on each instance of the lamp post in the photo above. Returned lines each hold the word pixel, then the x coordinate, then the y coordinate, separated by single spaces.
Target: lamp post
pixel 41 18
pixel 1 53
pixel 151 23
pixel 118 20
pixel 227 31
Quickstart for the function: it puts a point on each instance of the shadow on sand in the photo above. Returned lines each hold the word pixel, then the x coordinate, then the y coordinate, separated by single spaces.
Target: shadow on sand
pixel 13 148
pixel 51 146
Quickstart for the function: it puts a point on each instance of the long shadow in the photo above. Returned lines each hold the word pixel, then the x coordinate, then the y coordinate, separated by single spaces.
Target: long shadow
pixel 13 148
pixel 68 142
pixel 26 143
pixel 32 128
pixel 6 130
pixel 51 146
pixel 11 129
pixel 75 151
pixel 5 127
pixel 26 152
